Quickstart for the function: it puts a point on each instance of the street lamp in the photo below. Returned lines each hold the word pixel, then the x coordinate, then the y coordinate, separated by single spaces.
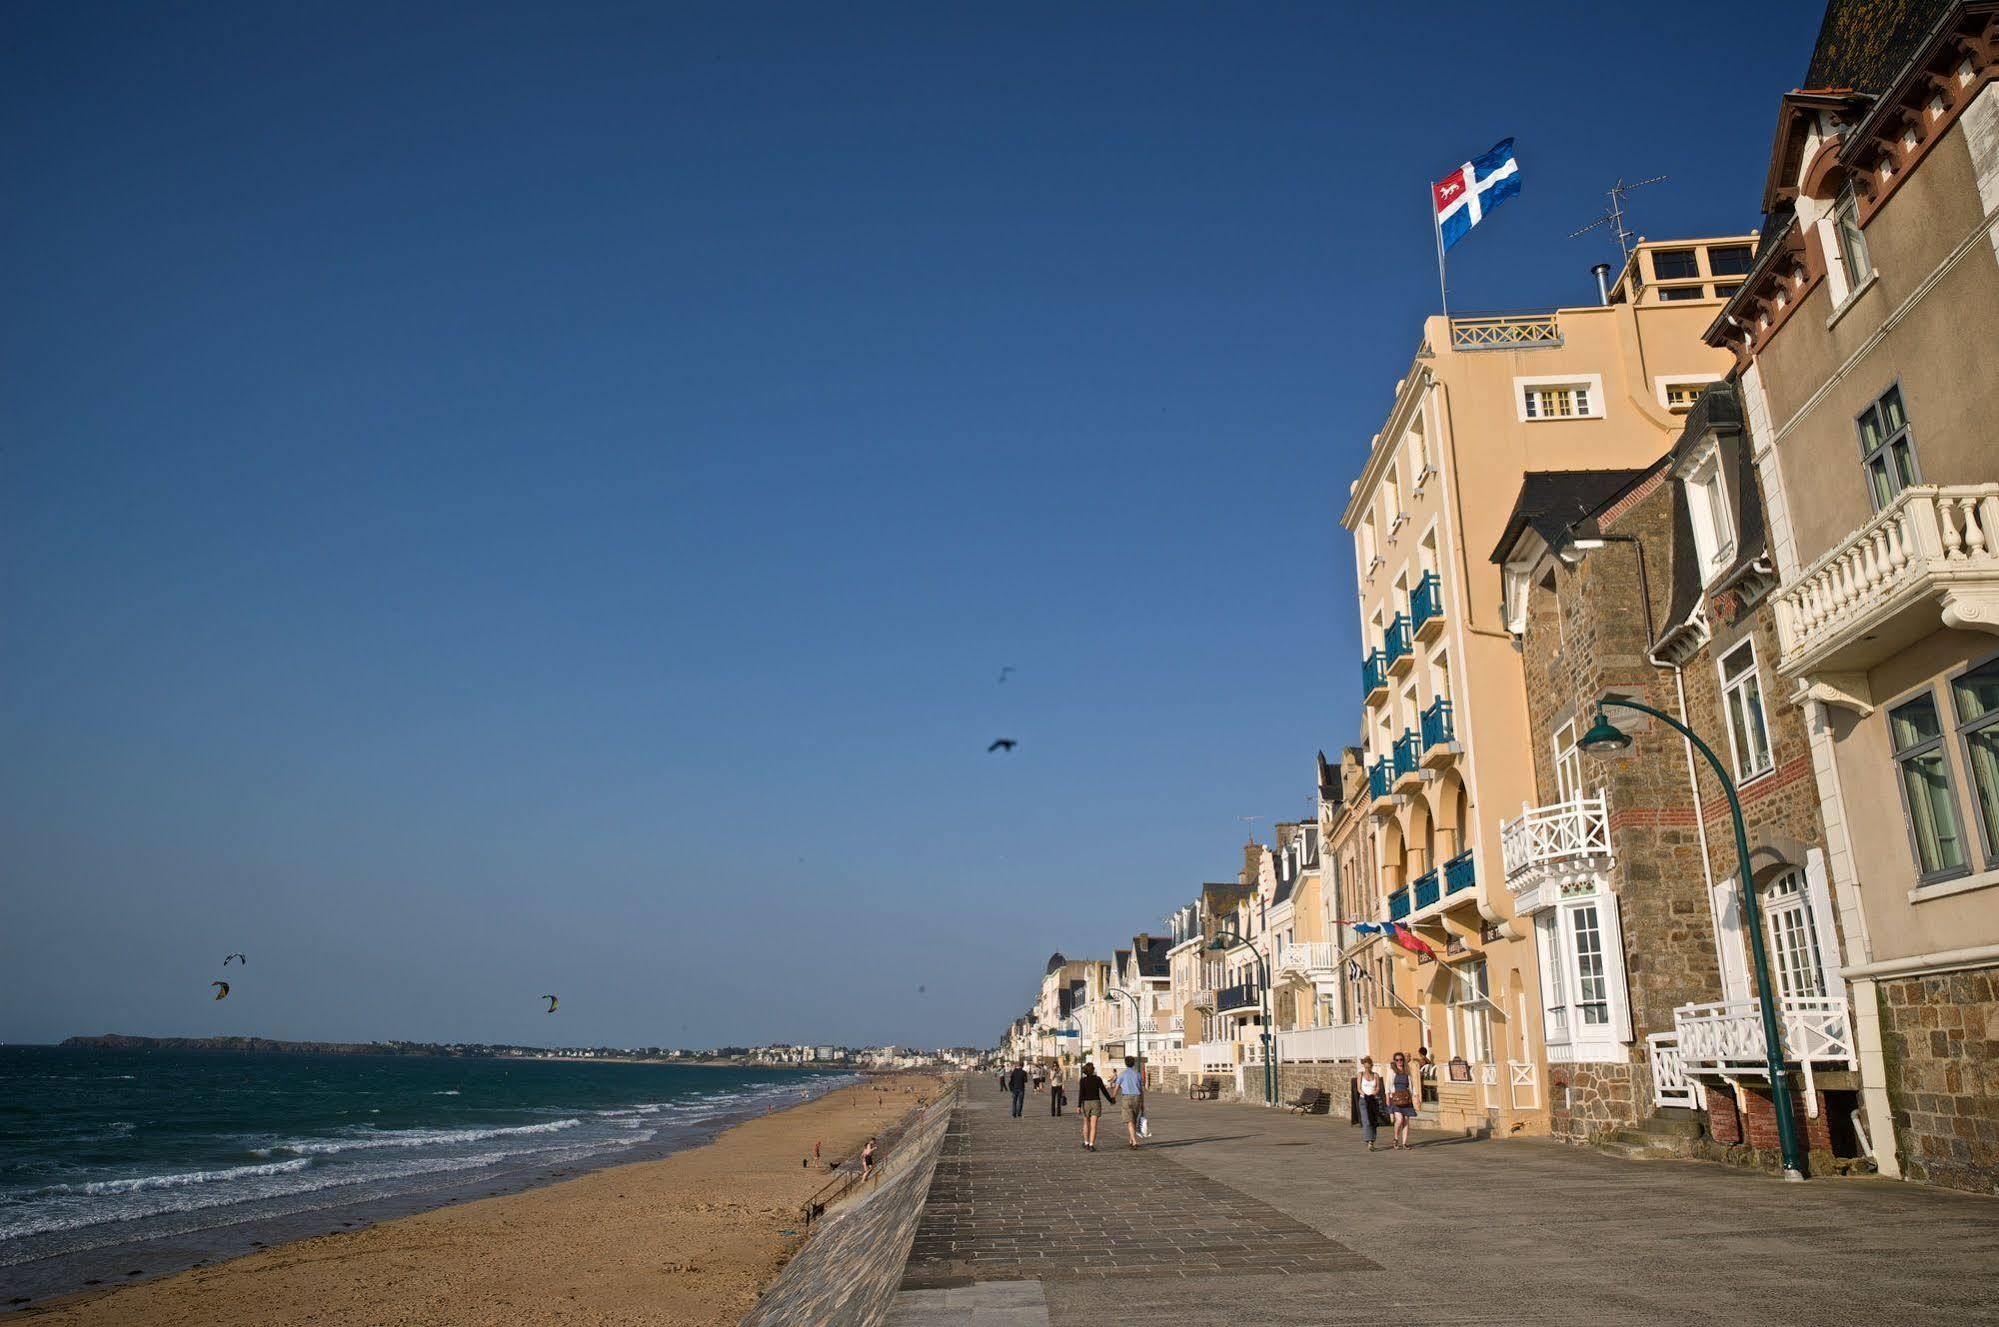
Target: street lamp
pixel 1137 1025
pixel 1602 737
pixel 1224 941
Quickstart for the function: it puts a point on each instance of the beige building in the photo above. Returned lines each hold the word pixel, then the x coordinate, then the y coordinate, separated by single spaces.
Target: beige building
pixel 1867 336
pixel 1445 718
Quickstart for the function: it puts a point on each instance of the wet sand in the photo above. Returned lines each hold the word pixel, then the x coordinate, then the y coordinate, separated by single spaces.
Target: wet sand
pixel 690 1239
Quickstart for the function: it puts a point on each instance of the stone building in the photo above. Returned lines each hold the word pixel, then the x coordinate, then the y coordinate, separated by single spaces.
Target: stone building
pixel 1643 584
pixel 1864 341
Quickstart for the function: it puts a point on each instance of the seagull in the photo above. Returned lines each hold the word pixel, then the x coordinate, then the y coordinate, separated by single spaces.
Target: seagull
pixel 238 957
pixel 1003 744
pixel 221 989
pixel 1005 669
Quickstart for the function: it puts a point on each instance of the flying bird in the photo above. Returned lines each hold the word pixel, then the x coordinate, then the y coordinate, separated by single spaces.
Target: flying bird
pixel 551 1002
pixel 238 957
pixel 221 989
pixel 1006 670
pixel 1003 744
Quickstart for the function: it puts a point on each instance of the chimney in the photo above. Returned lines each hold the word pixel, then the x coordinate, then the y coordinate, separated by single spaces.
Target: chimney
pixel 1602 273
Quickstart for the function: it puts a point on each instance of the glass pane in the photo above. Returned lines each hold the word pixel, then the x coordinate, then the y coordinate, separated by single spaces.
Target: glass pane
pixel 1592 990
pixel 1673 264
pixel 1891 409
pixel 1879 485
pixel 1939 845
pixel 1794 947
pixel 1730 260
pixel 1757 754
pixel 1736 663
pixel 1981 753
pixel 1914 723
pixel 1870 431
pixel 1903 462
pixel 1977 692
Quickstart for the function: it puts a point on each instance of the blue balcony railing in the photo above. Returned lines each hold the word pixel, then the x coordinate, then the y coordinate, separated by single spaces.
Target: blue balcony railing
pixel 1426 601
pixel 1244 996
pixel 1426 889
pixel 1458 873
pixel 1437 724
pixel 1395 641
pixel 1378 778
pixel 1373 674
pixel 1398 904
pixel 1406 752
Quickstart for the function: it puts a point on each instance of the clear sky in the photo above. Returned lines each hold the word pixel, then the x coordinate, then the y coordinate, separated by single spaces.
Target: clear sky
pixel 536 498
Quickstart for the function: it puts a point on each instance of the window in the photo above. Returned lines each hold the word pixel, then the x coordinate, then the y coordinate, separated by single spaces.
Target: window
pixel 1794 939
pixel 1887 453
pixel 1931 805
pixel 1976 698
pixel 1557 402
pixel 1469 997
pixel 1707 505
pixel 1680 396
pixel 1592 986
pixel 1730 259
pixel 1680 292
pixel 1852 242
pixel 1582 979
pixel 1742 692
pixel 1726 292
pixel 1674 264
pixel 1568 764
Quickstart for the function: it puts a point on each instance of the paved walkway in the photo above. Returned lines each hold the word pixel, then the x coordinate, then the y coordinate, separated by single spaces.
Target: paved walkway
pixel 1237 1214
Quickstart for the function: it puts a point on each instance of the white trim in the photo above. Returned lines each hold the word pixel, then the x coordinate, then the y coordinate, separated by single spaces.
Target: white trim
pixel 1852 298
pixel 1917 965
pixel 1662 381
pixel 1593 382
pixel 1963 884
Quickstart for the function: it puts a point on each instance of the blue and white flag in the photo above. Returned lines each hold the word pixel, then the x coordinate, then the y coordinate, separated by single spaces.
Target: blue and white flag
pixel 1463 197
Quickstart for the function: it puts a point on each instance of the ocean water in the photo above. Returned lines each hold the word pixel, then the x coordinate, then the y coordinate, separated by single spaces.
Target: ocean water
pixel 108 1151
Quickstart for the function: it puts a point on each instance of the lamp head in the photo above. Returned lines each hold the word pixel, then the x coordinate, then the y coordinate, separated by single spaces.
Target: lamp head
pixel 1604 736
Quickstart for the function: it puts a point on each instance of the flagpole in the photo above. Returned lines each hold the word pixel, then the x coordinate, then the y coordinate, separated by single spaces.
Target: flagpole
pixel 1437 228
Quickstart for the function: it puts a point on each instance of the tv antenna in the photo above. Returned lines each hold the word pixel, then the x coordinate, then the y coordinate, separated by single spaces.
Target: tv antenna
pixel 1251 822
pixel 1614 215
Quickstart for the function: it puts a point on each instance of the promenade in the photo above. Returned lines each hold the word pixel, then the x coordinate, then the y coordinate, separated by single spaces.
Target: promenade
pixel 1238 1214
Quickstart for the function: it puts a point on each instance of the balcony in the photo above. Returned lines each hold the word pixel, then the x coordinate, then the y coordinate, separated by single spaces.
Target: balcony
pixel 1245 996
pixel 1398 904
pixel 1344 1041
pixel 1426 607
pixel 1440 735
pixel 1459 874
pixel 1426 891
pixel 1373 678
pixel 1308 956
pixel 1727 1037
pixel 1395 647
pixel 1214 1057
pixel 1929 559
pixel 1378 779
pixel 1529 331
pixel 1548 845
pixel 1408 764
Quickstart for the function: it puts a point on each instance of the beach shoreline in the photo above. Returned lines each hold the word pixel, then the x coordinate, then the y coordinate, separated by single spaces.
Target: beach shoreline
pixel 691 1236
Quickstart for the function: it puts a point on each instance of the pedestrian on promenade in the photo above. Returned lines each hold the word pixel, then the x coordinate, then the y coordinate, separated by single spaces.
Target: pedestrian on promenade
pixel 1131 1096
pixel 868 1159
pixel 1091 1092
pixel 1401 1098
pixel 1369 1093
pixel 1056 1094
pixel 1016 1083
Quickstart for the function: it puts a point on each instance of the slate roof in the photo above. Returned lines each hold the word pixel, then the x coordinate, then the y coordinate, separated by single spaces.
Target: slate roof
pixel 1863 44
pixel 1152 955
pixel 1551 502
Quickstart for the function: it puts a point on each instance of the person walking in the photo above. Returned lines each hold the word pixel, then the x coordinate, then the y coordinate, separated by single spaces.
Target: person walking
pixel 1056 1094
pixel 1369 1094
pixel 1401 1098
pixel 1016 1083
pixel 1131 1097
pixel 868 1159
pixel 1091 1093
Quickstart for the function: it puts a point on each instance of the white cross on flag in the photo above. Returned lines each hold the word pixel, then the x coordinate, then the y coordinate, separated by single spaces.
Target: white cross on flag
pixel 1463 197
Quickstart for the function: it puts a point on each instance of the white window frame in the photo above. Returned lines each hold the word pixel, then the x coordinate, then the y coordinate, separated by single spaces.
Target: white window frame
pixel 1733 693
pixel 1710 512
pixel 1568 763
pixel 1592 383
pixel 1569 1039
pixel 1663 383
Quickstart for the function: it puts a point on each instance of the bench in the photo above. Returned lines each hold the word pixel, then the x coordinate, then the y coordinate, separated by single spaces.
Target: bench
pixel 1312 1101
pixel 1208 1089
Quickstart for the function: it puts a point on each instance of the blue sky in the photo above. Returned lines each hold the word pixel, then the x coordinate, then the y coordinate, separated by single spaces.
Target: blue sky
pixel 518 498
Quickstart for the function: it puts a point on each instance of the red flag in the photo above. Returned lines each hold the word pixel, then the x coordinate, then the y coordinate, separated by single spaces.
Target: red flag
pixel 1411 941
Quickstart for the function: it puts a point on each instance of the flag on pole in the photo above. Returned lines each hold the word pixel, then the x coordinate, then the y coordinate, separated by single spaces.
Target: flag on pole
pixel 1410 941
pixel 1462 198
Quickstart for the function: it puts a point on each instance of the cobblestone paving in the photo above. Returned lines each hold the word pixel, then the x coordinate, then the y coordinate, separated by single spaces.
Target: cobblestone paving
pixel 1284 1220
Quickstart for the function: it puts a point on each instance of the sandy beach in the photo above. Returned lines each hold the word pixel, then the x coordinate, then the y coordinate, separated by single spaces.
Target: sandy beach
pixel 689 1239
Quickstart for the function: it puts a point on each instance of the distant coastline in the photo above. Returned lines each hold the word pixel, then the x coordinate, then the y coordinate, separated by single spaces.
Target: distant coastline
pixel 118 1041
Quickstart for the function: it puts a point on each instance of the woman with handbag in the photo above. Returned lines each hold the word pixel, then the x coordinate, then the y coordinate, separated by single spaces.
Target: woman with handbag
pixel 1401 1097
pixel 1368 1093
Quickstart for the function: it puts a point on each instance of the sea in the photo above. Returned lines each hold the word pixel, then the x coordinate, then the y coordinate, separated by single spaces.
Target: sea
pixel 116 1164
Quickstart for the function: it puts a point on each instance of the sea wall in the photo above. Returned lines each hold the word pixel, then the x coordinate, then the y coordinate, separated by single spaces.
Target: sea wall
pixel 847 1273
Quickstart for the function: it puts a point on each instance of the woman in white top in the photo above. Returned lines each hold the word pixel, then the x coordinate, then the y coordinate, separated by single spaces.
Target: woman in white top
pixel 1369 1095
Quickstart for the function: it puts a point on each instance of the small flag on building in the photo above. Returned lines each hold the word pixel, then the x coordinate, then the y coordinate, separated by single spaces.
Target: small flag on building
pixel 1411 941
pixel 1462 198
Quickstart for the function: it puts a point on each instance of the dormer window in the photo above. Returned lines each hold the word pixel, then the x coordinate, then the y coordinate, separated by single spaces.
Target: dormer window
pixel 1707 504
pixel 1852 242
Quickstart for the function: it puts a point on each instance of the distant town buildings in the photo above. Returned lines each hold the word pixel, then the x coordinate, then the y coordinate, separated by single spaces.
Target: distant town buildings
pixel 1754 489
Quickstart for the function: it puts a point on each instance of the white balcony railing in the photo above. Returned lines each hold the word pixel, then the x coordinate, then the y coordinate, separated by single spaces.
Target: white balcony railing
pixel 1727 1036
pixel 1310 956
pixel 1670 1084
pixel 1346 1041
pixel 1546 841
pixel 1506 332
pixel 1216 1056
pixel 1932 553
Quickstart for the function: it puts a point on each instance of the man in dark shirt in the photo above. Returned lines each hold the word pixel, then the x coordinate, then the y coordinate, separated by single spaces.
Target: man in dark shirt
pixel 1017 1083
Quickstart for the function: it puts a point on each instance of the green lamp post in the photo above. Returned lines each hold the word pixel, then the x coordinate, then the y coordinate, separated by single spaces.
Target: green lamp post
pixel 1137 1024
pixel 1604 736
pixel 1224 941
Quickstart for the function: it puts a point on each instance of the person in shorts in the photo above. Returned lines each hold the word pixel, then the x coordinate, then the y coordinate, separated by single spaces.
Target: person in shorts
pixel 1131 1096
pixel 1091 1093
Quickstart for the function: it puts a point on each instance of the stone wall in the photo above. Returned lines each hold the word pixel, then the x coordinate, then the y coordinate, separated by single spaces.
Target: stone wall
pixel 1587 1101
pixel 1940 1041
pixel 1334 1076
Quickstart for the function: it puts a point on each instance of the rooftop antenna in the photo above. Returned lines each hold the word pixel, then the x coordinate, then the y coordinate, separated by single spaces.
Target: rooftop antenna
pixel 1614 215
pixel 1251 822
